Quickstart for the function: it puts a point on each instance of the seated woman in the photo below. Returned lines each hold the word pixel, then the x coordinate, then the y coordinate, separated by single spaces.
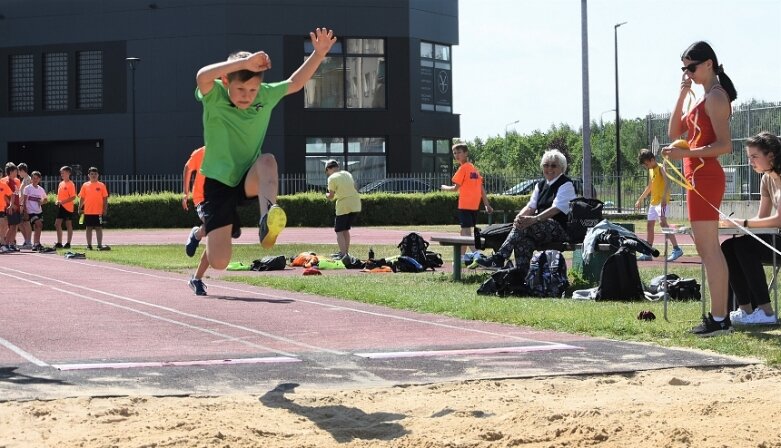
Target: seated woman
pixel 543 220
pixel 745 255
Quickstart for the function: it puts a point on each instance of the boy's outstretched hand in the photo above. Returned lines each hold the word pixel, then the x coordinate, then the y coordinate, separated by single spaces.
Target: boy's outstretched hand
pixel 322 40
pixel 258 62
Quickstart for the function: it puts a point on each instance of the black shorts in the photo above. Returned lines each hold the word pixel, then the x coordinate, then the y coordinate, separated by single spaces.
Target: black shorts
pixel 63 213
pixel 14 218
pixel 467 218
pixel 92 221
pixel 220 203
pixel 344 222
pixel 35 217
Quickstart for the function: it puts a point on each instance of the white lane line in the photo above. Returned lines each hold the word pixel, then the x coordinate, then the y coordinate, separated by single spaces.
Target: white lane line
pixel 326 305
pixel 182 313
pixel 202 362
pixel 29 357
pixel 154 316
pixel 467 351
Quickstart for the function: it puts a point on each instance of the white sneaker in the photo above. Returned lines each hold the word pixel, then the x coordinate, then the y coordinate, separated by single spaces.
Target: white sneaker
pixel 758 317
pixel 738 316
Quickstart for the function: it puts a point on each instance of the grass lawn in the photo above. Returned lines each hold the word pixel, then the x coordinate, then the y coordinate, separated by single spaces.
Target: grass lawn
pixel 436 293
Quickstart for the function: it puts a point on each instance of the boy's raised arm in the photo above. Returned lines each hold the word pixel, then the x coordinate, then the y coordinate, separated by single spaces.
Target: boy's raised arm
pixel 322 41
pixel 256 62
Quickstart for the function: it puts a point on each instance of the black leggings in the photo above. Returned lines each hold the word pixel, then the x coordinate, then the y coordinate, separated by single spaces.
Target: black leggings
pixel 745 257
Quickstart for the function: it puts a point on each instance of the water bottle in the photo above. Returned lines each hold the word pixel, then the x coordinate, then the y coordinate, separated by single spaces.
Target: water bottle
pixel 81 219
pixel 371 253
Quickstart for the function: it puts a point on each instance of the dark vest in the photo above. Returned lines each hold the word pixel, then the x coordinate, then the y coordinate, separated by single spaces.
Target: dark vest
pixel 546 196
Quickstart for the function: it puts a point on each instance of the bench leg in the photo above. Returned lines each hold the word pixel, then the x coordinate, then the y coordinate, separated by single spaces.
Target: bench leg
pixel 457 262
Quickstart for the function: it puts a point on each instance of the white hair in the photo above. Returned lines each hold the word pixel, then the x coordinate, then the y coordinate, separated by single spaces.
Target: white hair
pixel 554 155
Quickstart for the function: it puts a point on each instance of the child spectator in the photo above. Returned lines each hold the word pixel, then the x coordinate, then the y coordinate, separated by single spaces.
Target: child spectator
pixel 659 189
pixel 237 108
pixel 34 197
pixel 13 212
pixel 469 184
pixel 93 203
pixel 5 197
pixel 24 226
pixel 341 187
pixel 66 194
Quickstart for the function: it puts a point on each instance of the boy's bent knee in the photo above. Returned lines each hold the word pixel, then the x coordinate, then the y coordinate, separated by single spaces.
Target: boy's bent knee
pixel 267 161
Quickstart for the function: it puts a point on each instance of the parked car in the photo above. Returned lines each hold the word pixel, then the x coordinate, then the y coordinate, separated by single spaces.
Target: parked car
pixel 527 186
pixel 399 185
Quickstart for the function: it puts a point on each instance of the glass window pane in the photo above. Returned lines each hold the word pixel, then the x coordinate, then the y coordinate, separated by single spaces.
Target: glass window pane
pixel 55 81
pixel 335 49
pixel 428 146
pixel 366 144
pixel 443 165
pixel 426 50
pixel 443 147
pixel 366 169
pixel 21 83
pixel 365 46
pixel 325 145
pixel 89 80
pixel 427 163
pixel 442 52
pixel 326 88
pixel 365 83
pixel 315 171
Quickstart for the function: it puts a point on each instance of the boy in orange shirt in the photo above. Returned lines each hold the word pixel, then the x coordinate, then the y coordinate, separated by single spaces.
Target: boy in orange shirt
pixel 469 184
pixel 66 195
pixel 14 210
pixel 5 197
pixel 93 202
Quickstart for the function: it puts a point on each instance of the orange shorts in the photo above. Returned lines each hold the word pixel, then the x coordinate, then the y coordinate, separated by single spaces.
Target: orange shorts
pixel 710 189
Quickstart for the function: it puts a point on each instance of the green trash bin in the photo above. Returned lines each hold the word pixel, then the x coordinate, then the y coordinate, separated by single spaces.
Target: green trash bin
pixel 590 271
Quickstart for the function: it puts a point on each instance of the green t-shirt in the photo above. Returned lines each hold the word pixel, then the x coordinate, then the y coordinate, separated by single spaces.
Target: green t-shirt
pixel 234 136
pixel 345 194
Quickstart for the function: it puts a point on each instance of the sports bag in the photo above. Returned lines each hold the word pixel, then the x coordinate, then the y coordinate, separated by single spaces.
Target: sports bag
pixel 583 213
pixel 684 289
pixel 269 263
pixel 414 246
pixel 494 236
pixel 547 275
pixel 505 282
pixel 620 278
pixel 406 264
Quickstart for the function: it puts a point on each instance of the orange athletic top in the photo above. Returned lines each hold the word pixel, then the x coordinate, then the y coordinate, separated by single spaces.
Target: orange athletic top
pixel 14 190
pixel 64 191
pixel 470 190
pixel 92 195
pixel 700 133
pixel 5 191
pixel 193 165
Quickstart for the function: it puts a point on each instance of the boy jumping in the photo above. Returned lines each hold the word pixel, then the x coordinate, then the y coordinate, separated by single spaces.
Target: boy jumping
pixel 237 108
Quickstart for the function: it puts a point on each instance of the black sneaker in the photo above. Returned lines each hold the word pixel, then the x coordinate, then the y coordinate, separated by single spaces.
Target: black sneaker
pixel 58 246
pixel 103 247
pixel 66 246
pixel 495 261
pixel 89 246
pixel 710 327
pixel 197 286
pixel 192 242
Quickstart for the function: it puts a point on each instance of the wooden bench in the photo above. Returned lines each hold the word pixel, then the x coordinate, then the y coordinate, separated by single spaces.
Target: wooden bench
pixel 458 242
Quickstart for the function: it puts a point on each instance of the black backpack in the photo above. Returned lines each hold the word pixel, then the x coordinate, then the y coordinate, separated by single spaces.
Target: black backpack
pixel 547 276
pixel 494 236
pixel 620 279
pixel 269 263
pixel 583 213
pixel 505 282
pixel 414 246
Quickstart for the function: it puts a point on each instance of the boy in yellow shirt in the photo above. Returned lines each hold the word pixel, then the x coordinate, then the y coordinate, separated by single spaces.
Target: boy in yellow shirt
pixel 341 187
pixel 659 189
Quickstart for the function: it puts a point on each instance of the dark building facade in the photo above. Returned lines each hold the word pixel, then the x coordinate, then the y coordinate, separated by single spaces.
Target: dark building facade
pixel 74 94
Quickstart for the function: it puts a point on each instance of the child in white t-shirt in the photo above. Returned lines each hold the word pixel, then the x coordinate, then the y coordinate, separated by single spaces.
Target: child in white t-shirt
pixel 34 198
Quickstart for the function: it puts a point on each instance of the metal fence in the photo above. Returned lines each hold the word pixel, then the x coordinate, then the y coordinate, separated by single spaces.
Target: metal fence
pixel 125 184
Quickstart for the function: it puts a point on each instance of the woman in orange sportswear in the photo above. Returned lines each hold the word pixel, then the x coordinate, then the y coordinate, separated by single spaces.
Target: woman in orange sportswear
pixel 707 129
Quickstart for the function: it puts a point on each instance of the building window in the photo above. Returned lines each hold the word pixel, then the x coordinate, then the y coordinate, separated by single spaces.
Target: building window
pixel 89 74
pixel 55 81
pixel 436 93
pixel 437 157
pixel 351 77
pixel 21 83
pixel 363 157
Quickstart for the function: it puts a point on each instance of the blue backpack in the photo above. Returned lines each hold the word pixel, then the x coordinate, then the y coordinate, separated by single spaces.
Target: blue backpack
pixel 547 275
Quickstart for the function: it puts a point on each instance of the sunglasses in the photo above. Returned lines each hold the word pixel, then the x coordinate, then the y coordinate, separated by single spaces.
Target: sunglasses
pixel 550 165
pixel 691 68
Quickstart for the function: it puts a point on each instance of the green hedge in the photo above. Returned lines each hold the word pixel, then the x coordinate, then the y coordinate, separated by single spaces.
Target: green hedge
pixel 164 210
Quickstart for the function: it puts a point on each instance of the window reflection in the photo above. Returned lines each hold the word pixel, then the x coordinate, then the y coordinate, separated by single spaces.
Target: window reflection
pixel 366 83
pixel 326 88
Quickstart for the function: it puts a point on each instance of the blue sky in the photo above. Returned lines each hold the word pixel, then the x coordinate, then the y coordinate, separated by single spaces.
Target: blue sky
pixel 521 59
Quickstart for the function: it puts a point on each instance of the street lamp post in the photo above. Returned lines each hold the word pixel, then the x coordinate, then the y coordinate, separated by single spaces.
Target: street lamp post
pixel 618 124
pixel 508 125
pixel 131 63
